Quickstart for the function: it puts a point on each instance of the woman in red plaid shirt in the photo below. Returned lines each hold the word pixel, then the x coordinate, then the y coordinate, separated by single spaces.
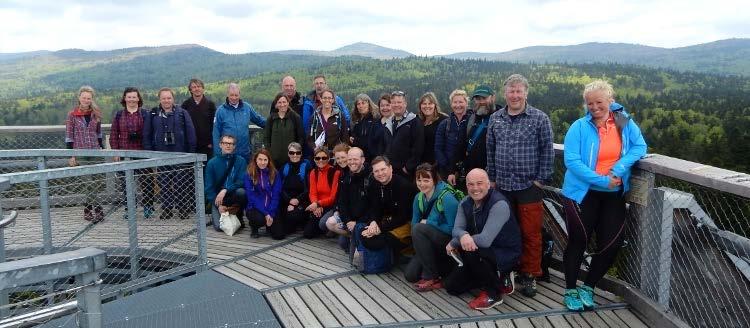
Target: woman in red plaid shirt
pixel 83 130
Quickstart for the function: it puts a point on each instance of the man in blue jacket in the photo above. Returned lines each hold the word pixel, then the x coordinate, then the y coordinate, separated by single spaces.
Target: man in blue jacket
pixel 224 181
pixel 234 118
pixel 169 128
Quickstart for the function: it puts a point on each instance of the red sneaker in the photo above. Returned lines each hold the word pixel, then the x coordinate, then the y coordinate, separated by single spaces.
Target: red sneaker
pixel 508 285
pixel 426 285
pixel 484 302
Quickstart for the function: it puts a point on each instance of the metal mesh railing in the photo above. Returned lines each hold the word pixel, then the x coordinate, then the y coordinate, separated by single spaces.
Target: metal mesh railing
pixel 143 212
pixel 686 244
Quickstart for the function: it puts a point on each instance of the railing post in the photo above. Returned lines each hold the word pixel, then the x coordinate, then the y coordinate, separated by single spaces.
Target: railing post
pixel 132 223
pixel 41 164
pixel 4 300
pixel 200 205
pixel 655 220
pixel 89 301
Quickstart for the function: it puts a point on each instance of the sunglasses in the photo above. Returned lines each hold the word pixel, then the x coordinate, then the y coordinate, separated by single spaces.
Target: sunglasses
pixel 398 93
pixel 291 152
pixel 321 158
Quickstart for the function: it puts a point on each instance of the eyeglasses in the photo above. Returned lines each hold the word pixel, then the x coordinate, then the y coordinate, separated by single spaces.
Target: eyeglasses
pixel 398 93
pixel 292 152
pixel 227 143
pixel 321 158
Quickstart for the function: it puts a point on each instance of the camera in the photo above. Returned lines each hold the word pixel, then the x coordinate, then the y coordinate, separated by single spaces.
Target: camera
pixel 134 136
pixel 169 138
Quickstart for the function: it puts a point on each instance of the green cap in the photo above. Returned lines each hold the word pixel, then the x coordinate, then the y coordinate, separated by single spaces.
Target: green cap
pixel 483 90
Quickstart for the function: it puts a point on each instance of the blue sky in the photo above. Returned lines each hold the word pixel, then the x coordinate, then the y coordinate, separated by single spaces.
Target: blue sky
pixel 422 28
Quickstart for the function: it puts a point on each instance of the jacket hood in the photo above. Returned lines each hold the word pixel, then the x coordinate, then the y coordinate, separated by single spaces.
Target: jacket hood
pixel 335 109
pixel 439 187
pixel 408 117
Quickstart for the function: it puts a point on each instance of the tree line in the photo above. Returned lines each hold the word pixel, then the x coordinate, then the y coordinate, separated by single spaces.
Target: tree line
pixel 694 116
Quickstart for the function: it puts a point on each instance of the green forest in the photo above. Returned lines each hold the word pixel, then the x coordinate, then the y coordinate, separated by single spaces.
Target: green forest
pixel 695 116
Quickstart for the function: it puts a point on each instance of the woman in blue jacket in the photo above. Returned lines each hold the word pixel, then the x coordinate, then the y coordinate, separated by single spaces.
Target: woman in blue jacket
pixel 263 188
pixel 600 150
pixel 433 213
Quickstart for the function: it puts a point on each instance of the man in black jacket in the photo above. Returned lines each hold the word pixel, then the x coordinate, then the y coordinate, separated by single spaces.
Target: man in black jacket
pixel 405 137
pixel 289 89
pixel 202 111
pixel 390 199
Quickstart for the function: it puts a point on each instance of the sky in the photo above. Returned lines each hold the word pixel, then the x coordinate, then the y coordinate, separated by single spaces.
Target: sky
pixel 420 27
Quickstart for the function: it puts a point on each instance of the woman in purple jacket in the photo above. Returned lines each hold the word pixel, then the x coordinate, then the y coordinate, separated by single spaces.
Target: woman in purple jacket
pixel 263 188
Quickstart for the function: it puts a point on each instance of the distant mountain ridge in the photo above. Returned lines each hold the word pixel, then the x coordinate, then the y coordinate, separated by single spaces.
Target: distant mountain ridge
pixel 363 49
pixel 730 56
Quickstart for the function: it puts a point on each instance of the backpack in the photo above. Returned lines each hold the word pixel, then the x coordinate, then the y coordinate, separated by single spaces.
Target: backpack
pixel 370 261
pixel 458 194
pixel 302 170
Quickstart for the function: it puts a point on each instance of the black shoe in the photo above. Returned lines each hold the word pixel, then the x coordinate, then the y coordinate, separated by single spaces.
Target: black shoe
pixel 254 233
pixel 528 285
pixel 166 214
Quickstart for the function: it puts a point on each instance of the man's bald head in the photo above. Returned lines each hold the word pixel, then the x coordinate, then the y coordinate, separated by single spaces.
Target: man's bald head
pixel 355 159
pixel 477 184
pixel 289 86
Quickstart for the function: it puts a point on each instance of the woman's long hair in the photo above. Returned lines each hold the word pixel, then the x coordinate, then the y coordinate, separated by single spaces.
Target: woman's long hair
pixel 254 172
pixel 96 113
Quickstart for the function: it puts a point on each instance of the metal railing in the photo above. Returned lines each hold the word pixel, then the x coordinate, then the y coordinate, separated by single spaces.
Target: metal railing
pixel 686 246
pixel 686 242
pixel 113 206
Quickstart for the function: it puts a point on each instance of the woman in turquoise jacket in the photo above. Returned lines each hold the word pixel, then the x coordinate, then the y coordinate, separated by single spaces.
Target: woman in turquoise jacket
pixel 433 213
pixel 600 150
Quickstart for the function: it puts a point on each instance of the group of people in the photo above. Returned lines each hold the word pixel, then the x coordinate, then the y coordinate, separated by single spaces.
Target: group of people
pixel 396 178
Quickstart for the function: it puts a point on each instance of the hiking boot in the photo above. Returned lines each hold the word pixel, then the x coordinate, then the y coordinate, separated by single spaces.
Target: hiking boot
pixel 528 285
pixel 485 302
pixel 148 211
pixel 586 294
pixel 88 215
pixel 572 300
pixel 254 233
pixel 426 285
pixel 508 284
pixel 98 214
pixel 166 214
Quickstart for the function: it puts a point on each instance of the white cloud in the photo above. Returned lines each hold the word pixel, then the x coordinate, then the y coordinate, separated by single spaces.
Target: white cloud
pixel 438 27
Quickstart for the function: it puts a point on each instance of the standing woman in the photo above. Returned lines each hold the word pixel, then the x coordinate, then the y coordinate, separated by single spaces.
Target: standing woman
pixel 83 130
pixel 283 127
pixel 328 126
pixel 263 188
pixel 127 134
pixel 431 116
pixel 600 150
pixel 367 133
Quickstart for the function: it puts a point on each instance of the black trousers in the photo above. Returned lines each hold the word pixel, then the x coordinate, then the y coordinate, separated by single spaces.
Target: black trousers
pixel 479 271
pixel 604 214
pixel 430 260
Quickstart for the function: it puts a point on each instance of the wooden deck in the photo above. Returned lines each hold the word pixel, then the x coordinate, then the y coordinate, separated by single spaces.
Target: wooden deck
pixel 309 283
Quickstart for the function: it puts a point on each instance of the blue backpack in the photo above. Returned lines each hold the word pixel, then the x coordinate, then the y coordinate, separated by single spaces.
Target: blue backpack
pixel 373 261
pixel 302 170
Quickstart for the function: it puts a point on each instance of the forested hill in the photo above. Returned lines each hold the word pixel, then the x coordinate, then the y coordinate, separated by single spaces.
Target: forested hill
pixel 699 117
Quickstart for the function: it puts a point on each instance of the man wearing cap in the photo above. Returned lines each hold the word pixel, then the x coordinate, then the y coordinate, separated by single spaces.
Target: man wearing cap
pixel 471 152
pixel 519 162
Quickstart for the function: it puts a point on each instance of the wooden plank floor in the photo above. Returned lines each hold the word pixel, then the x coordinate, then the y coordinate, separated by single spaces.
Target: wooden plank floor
pixel 309 283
